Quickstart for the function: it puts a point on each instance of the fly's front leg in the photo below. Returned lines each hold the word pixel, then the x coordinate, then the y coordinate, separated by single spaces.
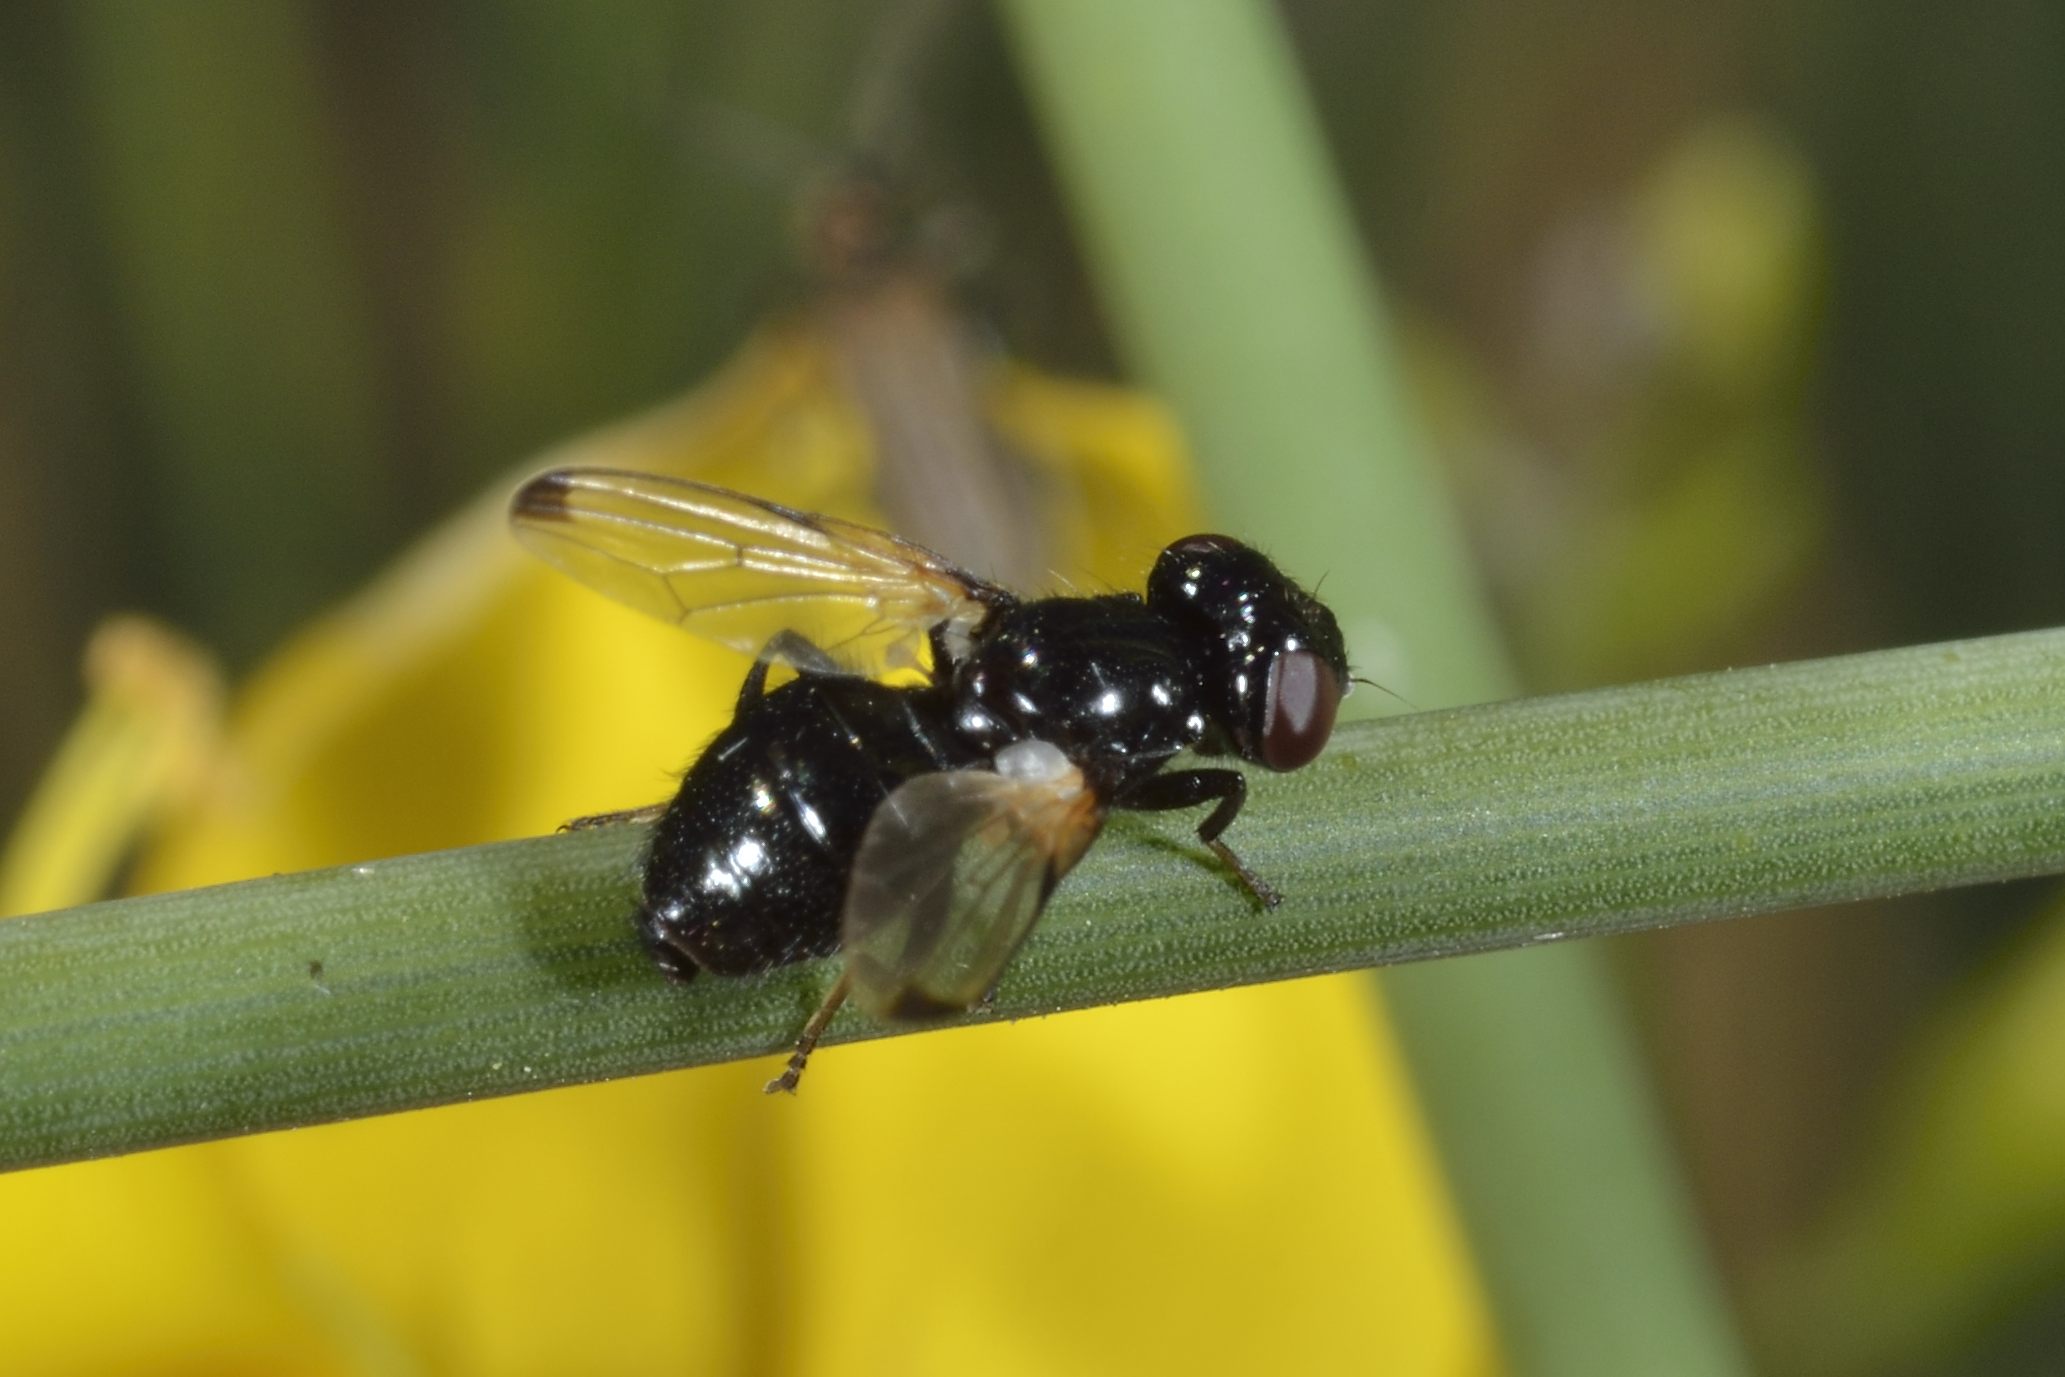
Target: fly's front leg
pixel 1189 788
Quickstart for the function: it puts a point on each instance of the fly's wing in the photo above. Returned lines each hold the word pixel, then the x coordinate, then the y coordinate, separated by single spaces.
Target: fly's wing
pixel 737 570
pixel 951 876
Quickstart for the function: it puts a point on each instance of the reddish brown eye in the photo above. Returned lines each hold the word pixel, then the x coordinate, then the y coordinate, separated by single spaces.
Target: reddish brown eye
pixel 1303 697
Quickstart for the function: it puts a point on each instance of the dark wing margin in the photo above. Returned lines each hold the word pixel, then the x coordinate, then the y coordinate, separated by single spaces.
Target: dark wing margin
pixel 951 875
pixel 738 570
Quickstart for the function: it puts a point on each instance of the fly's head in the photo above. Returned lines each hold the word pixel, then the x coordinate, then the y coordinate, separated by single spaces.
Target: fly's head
pixel 1274 665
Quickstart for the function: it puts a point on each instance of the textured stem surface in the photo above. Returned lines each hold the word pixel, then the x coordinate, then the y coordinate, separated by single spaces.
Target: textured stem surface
pixel 429 979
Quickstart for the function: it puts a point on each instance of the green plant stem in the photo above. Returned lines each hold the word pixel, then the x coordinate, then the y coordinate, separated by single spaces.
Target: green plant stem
pixel 1236 284
pixel 425 980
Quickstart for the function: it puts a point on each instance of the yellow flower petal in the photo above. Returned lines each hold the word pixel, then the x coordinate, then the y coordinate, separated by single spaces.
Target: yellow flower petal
pixel 140 748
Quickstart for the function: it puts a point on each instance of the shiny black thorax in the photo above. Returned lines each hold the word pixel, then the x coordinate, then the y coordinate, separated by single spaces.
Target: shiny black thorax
pixel 1110 681
pixel 748 865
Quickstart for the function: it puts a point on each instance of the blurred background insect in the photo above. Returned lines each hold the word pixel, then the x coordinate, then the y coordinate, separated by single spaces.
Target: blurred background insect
pixel 922 828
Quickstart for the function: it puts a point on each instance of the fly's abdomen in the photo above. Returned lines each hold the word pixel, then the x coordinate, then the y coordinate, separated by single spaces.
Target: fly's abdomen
pixel 748 866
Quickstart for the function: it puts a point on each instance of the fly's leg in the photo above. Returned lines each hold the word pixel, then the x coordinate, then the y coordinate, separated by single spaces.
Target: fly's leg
pixel 796 650
pixel 812 1031
pixel 1189 788
pixel 648 813
pixel 790 648
pixel 785 647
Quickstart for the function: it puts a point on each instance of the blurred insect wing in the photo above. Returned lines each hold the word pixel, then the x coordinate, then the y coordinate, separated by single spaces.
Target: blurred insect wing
pixel 951 875
pixel 737 570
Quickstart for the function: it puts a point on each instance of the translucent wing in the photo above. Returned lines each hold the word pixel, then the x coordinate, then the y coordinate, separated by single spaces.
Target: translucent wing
pixel 737 570
pixel 951 876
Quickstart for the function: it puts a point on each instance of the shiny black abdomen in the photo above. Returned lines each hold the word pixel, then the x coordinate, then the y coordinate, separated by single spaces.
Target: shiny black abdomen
pixel 749 863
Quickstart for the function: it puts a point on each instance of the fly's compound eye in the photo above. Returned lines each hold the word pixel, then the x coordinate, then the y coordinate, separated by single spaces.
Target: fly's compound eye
pixel 1298 712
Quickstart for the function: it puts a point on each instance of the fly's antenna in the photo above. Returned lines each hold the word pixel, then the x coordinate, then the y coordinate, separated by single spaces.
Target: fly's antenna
pixel 1411 706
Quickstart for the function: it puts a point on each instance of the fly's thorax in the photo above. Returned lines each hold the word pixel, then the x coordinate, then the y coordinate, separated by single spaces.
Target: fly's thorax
pixel 1110 683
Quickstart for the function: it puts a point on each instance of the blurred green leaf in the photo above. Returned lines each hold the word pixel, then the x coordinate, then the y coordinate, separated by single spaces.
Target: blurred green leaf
pixel 216 170
pixel 1958 1212
pixel 1230 264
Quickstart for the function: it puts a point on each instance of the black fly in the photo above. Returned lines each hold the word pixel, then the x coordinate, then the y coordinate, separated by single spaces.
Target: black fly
pixel 920 826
